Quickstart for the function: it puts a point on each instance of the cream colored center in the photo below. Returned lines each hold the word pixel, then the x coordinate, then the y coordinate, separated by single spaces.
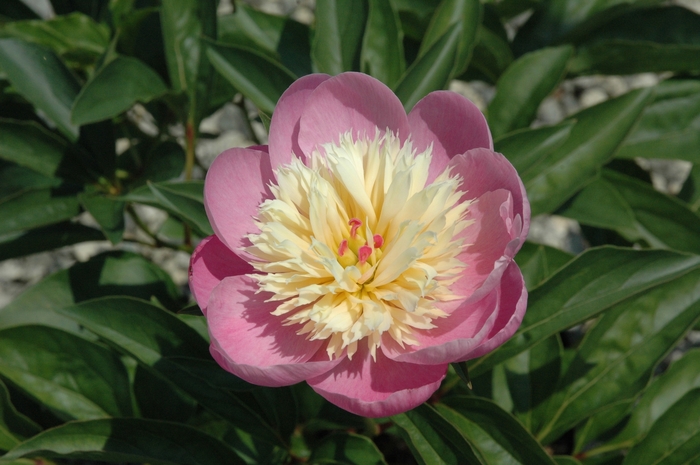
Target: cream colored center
pixel 355 245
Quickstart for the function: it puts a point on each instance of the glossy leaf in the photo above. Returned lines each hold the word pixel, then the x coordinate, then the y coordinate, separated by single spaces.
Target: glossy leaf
pixel 347 448
pixel 618 355
pixel 75 378
pixel 670 126
pixel 591 283
pixel 184 24
pixel 75 36
pixel 16 179
pixel 42 78
pixel 491 57
pixel 108 212
pixel 46 238
pixel 127 81
pixel 466 16
pixel 172 349
pixel 537 262
pixel 661 395
pixel 182 199
pixel 523 86
pixel 631 43
pixel 433 439
pixel 432 71
pixel 337 41
pixel 128 440
pixel 598 132
pixel 382 53
pixel 259 78
pixel 14 427
pixel 637 212
pixel 109 273
pixel 496 436
pixel 36 208
pixel 674 438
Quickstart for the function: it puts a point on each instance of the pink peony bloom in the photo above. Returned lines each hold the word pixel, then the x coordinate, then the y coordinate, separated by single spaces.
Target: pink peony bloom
pixel 363 249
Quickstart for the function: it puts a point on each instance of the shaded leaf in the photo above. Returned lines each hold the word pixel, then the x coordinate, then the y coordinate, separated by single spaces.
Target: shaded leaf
pixel 490 58
pixel 127 81
pixel 337 42
pixel 108 212
pixel 591 283
pixel 36 208
pixel 14 427
pixel 347 448
pixel 257 77
pixel 46 238
pixel 537 262
pixel 75 378
pixel 433 439
pixel 382 45
pixel 128 440
pixel 523 86
pixel 42 78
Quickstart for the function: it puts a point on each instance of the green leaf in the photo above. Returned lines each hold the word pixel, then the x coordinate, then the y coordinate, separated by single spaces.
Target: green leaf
pixel 674 438
pixel 16 179
pixel 14 10
pixel 336 45
pixel 466 16
pixel 185 23
pixel 598 132
pixel 691 189
pixel 537 262
pixel 565 460
pixel 46 238
pixel 491 57
pixel 14 427
pixel 108 212
pixel 591 283
pixel 433 439
pixel 670 126
pixel 75 378
pixel 526 149
pixel 347 448
pixel 496 437
pixel 36 208
pixel 128 440
pixel 382 45
pixel 163 162
pixel 126 80
pixel 109 273
pixel 523 86
pixel 432 71
pixel 175 351
pixel 631 43
pixel 257 77
pixel 30 145
pixel 665 391
pixel 76 37
pixel 42 78
pixel 182 199
pixel 160 400
pixel 618 355
pixel 637 212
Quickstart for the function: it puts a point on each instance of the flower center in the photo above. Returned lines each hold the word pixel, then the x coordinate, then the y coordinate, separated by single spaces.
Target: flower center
pixel 355 246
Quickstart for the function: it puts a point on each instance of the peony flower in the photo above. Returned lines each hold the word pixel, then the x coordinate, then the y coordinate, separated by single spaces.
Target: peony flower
pixel 363 249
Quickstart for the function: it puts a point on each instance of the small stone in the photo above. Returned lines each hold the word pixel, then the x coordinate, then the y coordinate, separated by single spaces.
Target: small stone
pixel 593 96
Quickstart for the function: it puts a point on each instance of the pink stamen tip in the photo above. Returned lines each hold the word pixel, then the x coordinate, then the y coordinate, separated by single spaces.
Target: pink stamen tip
pixel 343 247
pixel 378 241
pixel 364 253
pixel 354 224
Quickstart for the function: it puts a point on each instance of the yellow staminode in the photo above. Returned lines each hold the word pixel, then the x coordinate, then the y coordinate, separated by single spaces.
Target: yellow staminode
pixel 355 244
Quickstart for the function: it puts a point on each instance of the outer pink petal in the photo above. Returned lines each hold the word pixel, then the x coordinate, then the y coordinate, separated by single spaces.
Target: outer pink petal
pixel 450 122
pixel 235 186
pixel 253 344
pixel 471 330
pixel 350 102
pixel 284 127
pixel 378 389
pixel 211 262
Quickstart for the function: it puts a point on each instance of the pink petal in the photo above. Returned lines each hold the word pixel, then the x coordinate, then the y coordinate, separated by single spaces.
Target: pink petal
pixel 378 389
pixel 450 122
pixel 284 127
pixel 235 186
pixel 350 102
pixel 211 262
pixel 471 330
pixel 253 344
